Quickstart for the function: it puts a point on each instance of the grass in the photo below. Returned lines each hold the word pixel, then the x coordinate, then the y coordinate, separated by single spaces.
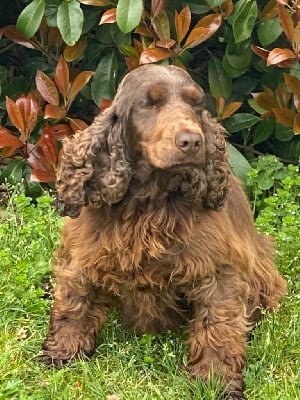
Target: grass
pixel 126 366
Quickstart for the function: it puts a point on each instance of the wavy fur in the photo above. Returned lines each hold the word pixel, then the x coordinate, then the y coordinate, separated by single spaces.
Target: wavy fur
pixel 163 232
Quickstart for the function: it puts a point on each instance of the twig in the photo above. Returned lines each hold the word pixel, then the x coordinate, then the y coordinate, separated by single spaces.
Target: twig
pixel 259 153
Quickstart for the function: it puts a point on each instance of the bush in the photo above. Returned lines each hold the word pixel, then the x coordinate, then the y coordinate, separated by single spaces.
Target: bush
pixel 275 190
pixel 68 56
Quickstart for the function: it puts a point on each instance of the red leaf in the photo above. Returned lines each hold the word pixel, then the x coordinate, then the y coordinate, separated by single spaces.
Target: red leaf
pixel 297 102
pixel 39 175
pixel 54 112
pixel 61 130
pixel 7 139
pixel 72 53
pixel 161 25
pixel 79 82
pixel 297 124
pixel 259 51
pixel 62 77
pixel 144 30
pixel 286 22
pixel 284 116
pixel 105 103
pixel 28 108
pixel 47 142
pixel 12 34
pixel 109 16
pixel 227 8
pixel 182 23
pixel 292 82
pixel 152 55
pixel 269 11
pixel 47 88
pixel 231 108
pixel 204 29
pixel 77 124
pixel 167 44
pixel 266 99
pixel 131 63
pixel 277 56
pixel 15 115
pixel 42 170
pixel 157 6
pixel 220 104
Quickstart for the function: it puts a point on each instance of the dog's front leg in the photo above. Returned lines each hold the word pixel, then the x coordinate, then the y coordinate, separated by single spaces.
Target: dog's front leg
pixel 217 332
pixel 78 313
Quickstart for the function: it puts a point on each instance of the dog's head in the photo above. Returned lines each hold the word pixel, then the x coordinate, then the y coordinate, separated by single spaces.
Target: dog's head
pixel 157 117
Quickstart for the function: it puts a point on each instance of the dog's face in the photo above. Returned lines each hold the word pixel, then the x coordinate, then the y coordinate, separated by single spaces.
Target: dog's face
pixel 165 121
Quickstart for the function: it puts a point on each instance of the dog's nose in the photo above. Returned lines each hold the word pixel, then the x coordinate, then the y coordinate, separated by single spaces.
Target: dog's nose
pixel 188 142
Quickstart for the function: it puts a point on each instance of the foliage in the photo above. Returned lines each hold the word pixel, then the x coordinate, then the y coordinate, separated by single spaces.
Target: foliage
pixel 275 192
pixel 125 365
pixel 43 118
pixel 268 177
pixel 245 54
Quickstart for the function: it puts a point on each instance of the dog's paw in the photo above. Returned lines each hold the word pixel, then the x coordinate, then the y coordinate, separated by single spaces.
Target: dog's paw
pixel 236 396
pixel 51 359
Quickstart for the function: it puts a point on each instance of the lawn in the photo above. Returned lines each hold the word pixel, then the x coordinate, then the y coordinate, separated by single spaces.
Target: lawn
pixel 126 366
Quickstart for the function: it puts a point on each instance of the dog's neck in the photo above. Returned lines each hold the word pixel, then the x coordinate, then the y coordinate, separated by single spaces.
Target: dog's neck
pixel 185 184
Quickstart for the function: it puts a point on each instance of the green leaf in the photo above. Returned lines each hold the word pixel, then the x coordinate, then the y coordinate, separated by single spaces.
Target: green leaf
pixel 239 60
pixel 252 103
pixel 13 172
pixel 104 81
pixel 294 149
pixel 119 38
pixel 268 31
pixel 30 18
pixel 265 182
pixel 219 83
pixel 244 85
pixel 197 8
pixel 238 163
pixel 243 19
pixel 129 14
pixel 263 131
pixel 70 21
pixel 51 12
pixel 295 69
pixel 240 121
pixel 237 57
pixel 283 132
pixel 214 3
pixel 233 63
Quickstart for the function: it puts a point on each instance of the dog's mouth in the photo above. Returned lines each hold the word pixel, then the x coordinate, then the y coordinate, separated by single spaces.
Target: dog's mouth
pixel 163 155
pixel 180 166
pixel 175 162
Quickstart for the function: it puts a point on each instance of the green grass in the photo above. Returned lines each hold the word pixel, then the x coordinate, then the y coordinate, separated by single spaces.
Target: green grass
pixel 126 366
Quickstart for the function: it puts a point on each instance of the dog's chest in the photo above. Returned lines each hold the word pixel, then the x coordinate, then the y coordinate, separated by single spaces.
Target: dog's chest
pixel 143 249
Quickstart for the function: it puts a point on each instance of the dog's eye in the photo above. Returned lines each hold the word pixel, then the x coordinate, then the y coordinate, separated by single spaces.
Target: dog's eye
pixel 148 103
pixel 196 101
pixel 151 103
pixel 156 96
pixel 193 97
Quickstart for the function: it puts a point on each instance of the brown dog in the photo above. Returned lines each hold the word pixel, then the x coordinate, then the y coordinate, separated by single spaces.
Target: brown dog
pixel 162 230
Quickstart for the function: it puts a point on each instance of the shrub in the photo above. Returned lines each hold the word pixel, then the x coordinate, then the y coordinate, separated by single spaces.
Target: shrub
pixel 243 53
pixel 275 190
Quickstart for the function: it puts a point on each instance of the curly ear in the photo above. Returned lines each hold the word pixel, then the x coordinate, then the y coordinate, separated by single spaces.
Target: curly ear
pixel 93 168
pixel 217 170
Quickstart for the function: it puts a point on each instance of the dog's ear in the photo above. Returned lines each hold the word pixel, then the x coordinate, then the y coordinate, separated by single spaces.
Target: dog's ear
pixel 93 167
pixel 217 168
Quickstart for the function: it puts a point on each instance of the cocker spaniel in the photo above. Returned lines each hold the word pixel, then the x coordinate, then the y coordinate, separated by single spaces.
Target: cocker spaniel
pixel 160 229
